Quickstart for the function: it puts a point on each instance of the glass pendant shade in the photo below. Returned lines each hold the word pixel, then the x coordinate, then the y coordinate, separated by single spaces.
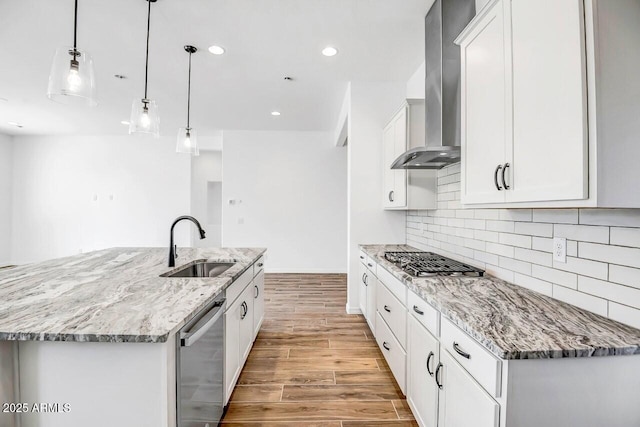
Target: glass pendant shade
pixel 187 141
pixel 144 117
pixel 72 79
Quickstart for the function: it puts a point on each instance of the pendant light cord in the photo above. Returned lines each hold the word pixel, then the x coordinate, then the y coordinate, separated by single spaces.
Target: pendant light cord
pixel 189 94
pixel 75 26
pixel 146 70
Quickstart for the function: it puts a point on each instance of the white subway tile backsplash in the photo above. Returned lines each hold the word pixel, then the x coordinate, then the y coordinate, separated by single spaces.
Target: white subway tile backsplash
pixel 563 278
pixel 580 299
pixel 535 257
pixel 498 249
pixel 602 272
pixel 625 236
pixel 556 216
pixel 624 275
pixel 618 293
pixel 583 233
pixel 544 244
pixel 516 214
pixel 608 253
pixel 518 240
pixel 487 236
pixel 599 270
pixel 624 314
pixel 534 229
pixel 515 265
pixel 612 217
pixel 504 226
pixel 533 284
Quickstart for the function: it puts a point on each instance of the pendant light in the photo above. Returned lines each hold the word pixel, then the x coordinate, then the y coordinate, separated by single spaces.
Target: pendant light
pixel 187 137
pixel 144 112
pixel 72 80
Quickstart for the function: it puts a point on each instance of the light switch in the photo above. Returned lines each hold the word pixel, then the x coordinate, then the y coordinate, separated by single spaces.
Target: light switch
pixel 240 221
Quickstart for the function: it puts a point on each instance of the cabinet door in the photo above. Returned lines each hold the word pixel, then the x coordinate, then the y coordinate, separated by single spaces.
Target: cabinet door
pixel 462 402
pixel 372 284
pixel 258 303
pixel 423 357
pixel 400 146
pixel 246 322
pixel 550 139
pixel 232 346
pixel 485 108
pixel 388 142
pixel 362 289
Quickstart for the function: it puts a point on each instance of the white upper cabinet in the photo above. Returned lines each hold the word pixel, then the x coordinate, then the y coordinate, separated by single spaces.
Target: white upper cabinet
pixel 407 189
pixel 484 108
pixel 543 91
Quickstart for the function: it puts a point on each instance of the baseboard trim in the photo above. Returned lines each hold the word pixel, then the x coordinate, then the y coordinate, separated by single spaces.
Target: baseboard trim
pixel 352 310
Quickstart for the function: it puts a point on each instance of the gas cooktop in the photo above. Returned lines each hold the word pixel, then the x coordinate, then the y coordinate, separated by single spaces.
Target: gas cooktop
pixel 427 264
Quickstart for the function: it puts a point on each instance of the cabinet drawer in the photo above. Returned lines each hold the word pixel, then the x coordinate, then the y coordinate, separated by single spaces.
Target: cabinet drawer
pixel 485 368
pixel 372 265
pixel 238 286
pixel 393 312
pixel 393 353
pixel 258 266
pixel 424 312
pixel 396 287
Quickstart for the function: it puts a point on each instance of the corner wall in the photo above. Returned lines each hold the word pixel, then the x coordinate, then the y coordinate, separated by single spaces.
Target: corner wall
pixel 6 198
pixel 372 106
pixel 63 188
pixel 287 192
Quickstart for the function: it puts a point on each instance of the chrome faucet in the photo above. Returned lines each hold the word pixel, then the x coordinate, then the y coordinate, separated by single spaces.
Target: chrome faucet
pixel 173 249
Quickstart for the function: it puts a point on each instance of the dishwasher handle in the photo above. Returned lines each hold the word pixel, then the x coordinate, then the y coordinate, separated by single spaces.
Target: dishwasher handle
pixel 209 319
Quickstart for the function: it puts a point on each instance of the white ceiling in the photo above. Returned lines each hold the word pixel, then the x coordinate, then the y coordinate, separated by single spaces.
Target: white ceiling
pixel 378 40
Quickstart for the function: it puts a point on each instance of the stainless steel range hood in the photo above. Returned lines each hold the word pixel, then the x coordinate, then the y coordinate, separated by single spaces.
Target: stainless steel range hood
pixel 444 21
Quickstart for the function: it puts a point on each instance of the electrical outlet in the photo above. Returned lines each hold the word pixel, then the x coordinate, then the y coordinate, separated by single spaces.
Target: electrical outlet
pixel 560 249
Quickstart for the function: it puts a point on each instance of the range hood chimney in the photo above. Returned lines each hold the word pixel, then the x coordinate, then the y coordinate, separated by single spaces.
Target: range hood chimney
pixel 444 22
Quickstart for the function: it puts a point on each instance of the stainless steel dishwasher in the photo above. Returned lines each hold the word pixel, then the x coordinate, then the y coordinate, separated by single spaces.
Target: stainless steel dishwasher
pixel 200 368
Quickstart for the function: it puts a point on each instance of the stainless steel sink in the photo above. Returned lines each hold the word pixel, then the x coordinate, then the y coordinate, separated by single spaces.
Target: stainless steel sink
pixel 201 269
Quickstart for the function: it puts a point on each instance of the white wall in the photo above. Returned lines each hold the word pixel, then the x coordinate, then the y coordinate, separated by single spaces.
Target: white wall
pixel 55 180
pixel 602 272
pixel 372 106
pixel 6 170
pixel 293 188
pixel 205 168
pixel 416 83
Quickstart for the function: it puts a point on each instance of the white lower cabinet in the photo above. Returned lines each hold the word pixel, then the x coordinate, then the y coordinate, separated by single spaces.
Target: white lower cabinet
pixel 462 402
pixel 423 356
pixel 393 352
pixel 367 293
pixel 242 321
pixel 258 303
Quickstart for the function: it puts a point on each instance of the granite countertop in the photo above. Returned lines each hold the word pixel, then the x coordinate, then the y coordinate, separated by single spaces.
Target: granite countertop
pixel 513 322
pixel 112 295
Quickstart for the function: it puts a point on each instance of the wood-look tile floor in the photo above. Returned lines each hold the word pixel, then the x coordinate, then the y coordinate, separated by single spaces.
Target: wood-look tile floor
pixel 312 365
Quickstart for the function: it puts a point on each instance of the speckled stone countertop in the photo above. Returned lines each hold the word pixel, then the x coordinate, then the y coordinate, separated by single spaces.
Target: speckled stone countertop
pixel 513 322
pixel 113 295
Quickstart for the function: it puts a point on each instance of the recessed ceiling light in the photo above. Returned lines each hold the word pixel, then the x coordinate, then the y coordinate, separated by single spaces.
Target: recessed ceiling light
pixel 275 113
pixel 16 124
pixel 329 51
pixel 216 50
pixel 126 123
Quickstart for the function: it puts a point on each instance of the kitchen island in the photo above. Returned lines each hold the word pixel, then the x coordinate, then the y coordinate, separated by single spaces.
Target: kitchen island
pixel 93 335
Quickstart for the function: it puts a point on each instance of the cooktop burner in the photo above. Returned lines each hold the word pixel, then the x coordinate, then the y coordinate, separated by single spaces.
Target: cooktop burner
pixel 427 264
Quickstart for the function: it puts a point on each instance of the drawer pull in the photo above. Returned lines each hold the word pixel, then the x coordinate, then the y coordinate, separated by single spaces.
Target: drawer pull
pixel 257 291
pixel 260 264
pixel 370 265
pixel 363 278
pixel 361 257
pixel 417 310
pixel 387 309
pixel 386 346
pixel 429 362
pixel 462 353
pixel 438 369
